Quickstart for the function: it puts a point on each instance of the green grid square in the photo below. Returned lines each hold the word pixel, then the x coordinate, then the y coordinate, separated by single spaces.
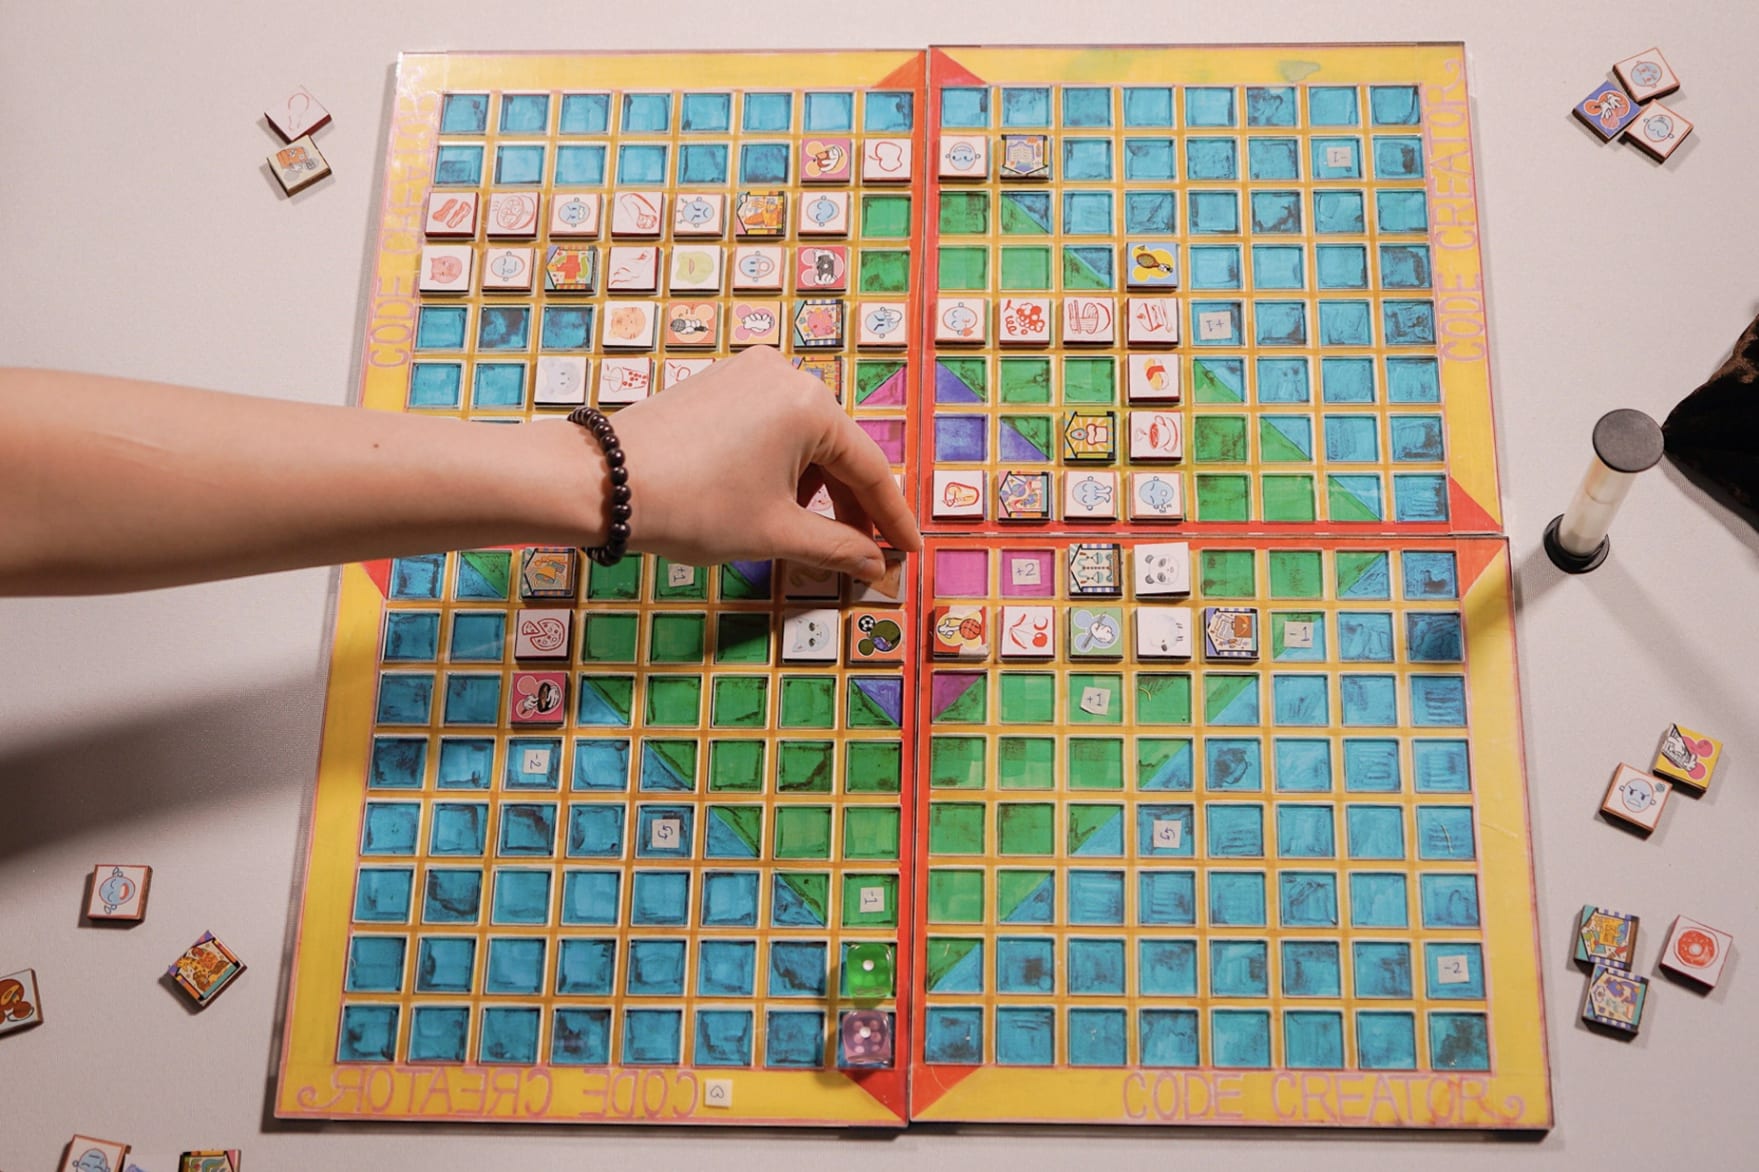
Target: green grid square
pixel 955 897
pixel 1219 439
pixel 1224 497
pixel 742 637
pixel 1026 828
pixel 1228 573
pixel 964 213
pixel 971 706
pixel 1026 762
pixel 677 638
pixel 803 832
pixel 736 766
pixel 809 702
pixel 805 767
pixel 609 638
pixel 1155 755
pixel 1288 497
pixel 973 372
pixel 1110 683
pixel 674 701
pixel 873 767
pixel 885 217
pixel 1096 763
pixel 1025 380
pixel 695 590
pixel 854 917
pixel 740 702
pixel 1297 573
pixel 871 832
pixel 1025 268
pixel 618 583
pixel 1090 380
pixel 963 268
pixel 955 828
pixel 1163 699
pixel 956 762
pixel 884 271
pixel 1014 887
pixel 1088 819
pixel 1028 697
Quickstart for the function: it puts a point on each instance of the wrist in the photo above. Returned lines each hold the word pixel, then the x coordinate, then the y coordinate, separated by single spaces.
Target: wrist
pixel 568 484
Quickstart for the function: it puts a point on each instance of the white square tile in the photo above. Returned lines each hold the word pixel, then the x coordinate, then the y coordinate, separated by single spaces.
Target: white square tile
pixel 630 325
pixel 119 892
pixel 638 213
pixel 1027 632
pixel 1163 632
pixel 562 380
pixel 1154 321
pixel 959 494
pixel 699 213
pixel 575 214
pixel 451 215
pixel 446 268
pixel 1157 496
pixel 1024 321
pixel 961 319
pixel 1161 568
pixel 886 160
pixel 625 380
pixel 824 213
pixel 810 636
pixel 882 323
pixel 964 156
pixel 1658 130
pixel 513 215
pixel 24 1004
pixel 696 268
pixel 508 270
pixel 758 267
pixel 1646 76
pixel 1153 378
pixel 1090 496
pixel 1089 320
pixel 1636 797
pixel 297 114
pixel 1696 951
pixel 1157 435
pixel 632 268
pixel 542 634
pixel 676 370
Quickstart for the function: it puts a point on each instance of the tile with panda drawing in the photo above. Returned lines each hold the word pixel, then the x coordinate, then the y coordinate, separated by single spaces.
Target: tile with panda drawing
pixel 1163 632
pixel 624 380
pixel 1161 568
pixel 1090 496
pixel 512 215
pixel 576 214
pixel 446 268
pixel 810 636
pixel 1157 496
pixel 700 213
pixel 1153 378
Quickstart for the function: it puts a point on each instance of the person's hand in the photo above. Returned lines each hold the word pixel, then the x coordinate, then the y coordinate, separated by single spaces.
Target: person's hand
pixel 720 467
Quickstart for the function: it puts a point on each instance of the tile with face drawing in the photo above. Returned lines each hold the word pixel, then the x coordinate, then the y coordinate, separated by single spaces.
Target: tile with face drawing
pixel 1161 568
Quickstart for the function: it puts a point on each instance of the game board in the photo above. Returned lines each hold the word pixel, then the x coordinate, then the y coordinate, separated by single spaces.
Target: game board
pixel 649 844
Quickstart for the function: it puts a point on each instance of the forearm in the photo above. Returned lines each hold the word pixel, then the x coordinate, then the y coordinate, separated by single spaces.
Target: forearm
pixel 113 484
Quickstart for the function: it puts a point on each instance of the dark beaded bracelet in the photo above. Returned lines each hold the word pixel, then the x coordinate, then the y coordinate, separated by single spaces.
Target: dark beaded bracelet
pixel 617 536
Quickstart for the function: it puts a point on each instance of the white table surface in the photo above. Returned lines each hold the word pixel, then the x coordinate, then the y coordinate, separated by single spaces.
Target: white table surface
pixel 140 235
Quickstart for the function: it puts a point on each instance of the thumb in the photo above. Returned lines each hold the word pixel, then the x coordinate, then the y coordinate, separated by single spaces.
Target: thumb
pixel 806 537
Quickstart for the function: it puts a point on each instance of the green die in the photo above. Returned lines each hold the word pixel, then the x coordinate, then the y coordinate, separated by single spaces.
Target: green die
pixel 869 970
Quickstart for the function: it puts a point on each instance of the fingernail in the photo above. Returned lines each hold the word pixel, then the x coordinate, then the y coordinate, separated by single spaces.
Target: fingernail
pixel 871 570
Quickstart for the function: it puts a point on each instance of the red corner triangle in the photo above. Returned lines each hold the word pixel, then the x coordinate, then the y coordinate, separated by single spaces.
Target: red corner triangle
pixel 932 1084
pixel 380 573
pixel 889 1088
pixel 1466 515
pixel 906 76
pixel 1472 556
pixel 947 71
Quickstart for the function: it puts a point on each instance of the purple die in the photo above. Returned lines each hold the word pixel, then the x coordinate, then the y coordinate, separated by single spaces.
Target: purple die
pixel 867 1038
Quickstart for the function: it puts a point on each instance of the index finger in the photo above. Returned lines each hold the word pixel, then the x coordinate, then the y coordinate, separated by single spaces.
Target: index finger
pixel 851 456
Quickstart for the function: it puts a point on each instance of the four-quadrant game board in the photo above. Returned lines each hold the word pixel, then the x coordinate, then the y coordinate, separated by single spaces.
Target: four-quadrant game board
pixel 1179 780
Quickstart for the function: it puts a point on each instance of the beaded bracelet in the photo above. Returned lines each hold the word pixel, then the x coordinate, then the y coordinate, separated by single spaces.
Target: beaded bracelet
pixel 617 536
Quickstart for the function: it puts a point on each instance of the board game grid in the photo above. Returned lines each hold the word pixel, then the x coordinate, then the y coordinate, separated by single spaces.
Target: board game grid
pixel 599 850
